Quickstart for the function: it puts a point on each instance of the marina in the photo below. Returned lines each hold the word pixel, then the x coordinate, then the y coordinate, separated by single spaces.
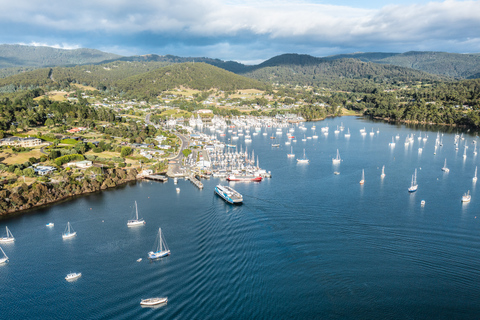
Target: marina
pixel 308 230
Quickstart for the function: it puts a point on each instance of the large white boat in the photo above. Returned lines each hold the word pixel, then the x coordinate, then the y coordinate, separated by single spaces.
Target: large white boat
pixel 8 237
pixel 73 276
pixel 229 194
pixel 445 169
pixel 3 259
pixel 161 248
pixel 135 222
pixel 69 233
pixel 413 187
pixel 153 301
pixel 304 159
pixel 466 197
pixel 337 159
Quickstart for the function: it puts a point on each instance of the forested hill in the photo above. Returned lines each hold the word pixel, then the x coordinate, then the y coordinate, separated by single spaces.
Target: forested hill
pixel 464 66
pixel 200 76
pixel 308 70
pixel 15 55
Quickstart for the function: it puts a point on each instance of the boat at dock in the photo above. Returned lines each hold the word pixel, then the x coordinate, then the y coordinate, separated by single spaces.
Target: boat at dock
pixel 229 194
pixel 242 177
pixel 135 222
pixel 8 237
pixel 150 302
pixel 161 248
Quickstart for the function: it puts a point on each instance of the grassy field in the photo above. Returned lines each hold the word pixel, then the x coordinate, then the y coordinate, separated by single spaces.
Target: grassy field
pixel 85 88
pixel 8 157
pixel 346 112
pixel 176 113
pixel 54 96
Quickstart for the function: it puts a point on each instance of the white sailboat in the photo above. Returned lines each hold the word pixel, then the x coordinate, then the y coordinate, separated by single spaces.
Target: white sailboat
pixel 466 197
pixel 291 154
pixel 414 185
pixel 3 259
pixel 69 233
pixel 135 222
pixel 363 177
pixel 383 172
pixel 445 169
pixel 304 159
pixel 9 236
pixel 337 159
pixel 347 135
pixel 475 176
pixel 161 248
pixel 392 144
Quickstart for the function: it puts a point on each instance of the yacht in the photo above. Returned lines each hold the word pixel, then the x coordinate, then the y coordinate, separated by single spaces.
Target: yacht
pixel 69 233
pixel 414 184
pixel 73 276
pixel 8 237
pixel 466 197
pixel 337 159
pixel 445 169
pixel 304 159
pixel 135 222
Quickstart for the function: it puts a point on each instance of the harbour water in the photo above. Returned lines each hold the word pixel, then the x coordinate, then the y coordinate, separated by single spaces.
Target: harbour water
pixel 305 244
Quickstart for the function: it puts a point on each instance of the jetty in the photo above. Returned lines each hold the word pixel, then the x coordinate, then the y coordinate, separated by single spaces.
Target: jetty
pixel 195 181
pixel 156 177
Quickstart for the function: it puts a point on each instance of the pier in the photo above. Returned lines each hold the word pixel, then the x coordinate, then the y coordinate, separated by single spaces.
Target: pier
pixel 195 181
pixel 156 177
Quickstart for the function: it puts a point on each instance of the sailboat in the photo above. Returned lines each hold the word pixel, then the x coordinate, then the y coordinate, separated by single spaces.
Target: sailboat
pixel 304 138
pixel 291 154
pixel 69 233
pixel 135 222
pixel 4 258
pixel 475 177
pixel 445 169
pixel 161 248
pixel 466 197
pixel 363 177
pixel 9 237
pixel 465 152
pixel 337 159
pixel 392 144
pixel 347 135
pixel 304 159
pixel 414 185
pixel 383 172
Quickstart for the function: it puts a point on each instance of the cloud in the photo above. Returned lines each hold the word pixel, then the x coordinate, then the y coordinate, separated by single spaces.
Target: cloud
pixel 56 46
pixel 242 25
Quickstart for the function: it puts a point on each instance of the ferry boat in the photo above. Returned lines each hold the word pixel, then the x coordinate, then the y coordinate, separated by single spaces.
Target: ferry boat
pixel 153 301
pixel 242 177
pixel 73 276
pixel 228 194
pixel 466 197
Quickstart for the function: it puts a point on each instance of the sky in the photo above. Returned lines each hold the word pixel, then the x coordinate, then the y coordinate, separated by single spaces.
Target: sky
pixel 247 31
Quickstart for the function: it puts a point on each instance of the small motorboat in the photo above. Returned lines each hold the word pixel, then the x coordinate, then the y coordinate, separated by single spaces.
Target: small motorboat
pixel 73 276
pixel 153 301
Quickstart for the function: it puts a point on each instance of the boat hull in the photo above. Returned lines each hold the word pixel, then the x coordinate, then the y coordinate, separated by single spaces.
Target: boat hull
pixel 135 223
pixel 6 240
pixel 157 255
pixel 153 302
pixel 244 178
pixel 69 235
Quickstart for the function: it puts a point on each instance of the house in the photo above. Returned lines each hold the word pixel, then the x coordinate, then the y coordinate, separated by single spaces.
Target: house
pixel 44 170
pixel 20 142
pixel 80 164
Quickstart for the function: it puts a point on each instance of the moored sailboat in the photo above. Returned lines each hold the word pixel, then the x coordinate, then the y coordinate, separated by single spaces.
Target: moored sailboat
pixel 8 237
pixel 337 159
pixel 161 248
pixel 413 187
pixel 475 176
pixel 383 172
pixel 3 259
pixel 466 197
pixel 69 233
pixel 304 159
pixel 135 222
pixel 363 177
pixel 445 169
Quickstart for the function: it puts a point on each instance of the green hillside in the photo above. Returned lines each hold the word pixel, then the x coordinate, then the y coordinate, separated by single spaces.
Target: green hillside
pixel 15 55
pixel 308 70
pixel 464 66
pixel 199 76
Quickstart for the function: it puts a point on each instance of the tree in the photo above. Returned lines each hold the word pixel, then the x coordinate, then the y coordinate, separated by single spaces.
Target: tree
pixel 49 123
pixel 126 151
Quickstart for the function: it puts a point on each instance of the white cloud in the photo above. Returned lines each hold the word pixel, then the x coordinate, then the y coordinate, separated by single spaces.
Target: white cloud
pixel 65 46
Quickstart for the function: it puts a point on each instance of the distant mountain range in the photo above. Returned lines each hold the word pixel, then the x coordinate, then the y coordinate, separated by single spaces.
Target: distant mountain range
pixel 20 58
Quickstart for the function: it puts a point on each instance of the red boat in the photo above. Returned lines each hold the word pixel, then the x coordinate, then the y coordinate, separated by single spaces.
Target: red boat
pixel 233 177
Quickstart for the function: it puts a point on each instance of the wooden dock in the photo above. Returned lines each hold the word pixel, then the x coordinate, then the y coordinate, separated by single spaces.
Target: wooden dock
pixel 157 177
pixel 195 181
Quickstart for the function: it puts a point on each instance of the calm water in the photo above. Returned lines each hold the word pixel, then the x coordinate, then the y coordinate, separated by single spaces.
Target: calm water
pixel 305 244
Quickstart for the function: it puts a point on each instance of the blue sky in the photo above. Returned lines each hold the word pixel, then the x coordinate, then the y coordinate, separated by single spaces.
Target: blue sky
pixel 247 31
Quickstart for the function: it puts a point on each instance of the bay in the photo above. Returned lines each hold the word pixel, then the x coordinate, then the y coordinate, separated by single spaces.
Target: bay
pixel 305 244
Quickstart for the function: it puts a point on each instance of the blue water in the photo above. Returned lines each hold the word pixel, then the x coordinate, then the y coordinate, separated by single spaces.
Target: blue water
pixel 305 244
